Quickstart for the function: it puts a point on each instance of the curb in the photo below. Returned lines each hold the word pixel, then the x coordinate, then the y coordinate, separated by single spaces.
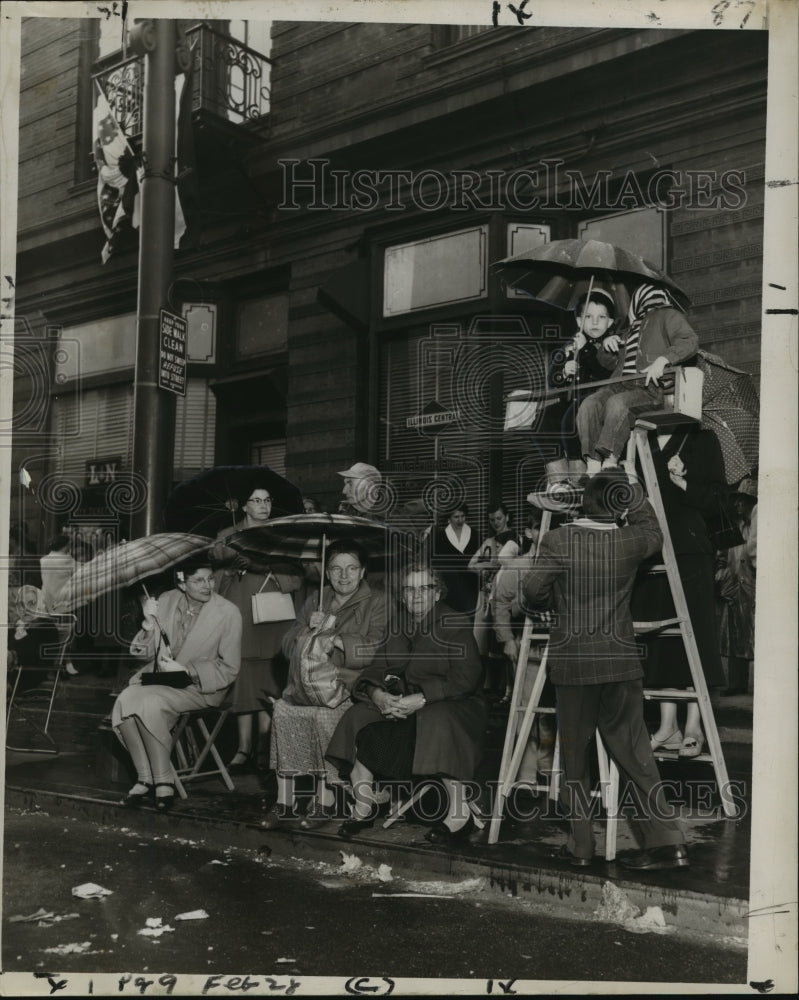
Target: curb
pixel 568 893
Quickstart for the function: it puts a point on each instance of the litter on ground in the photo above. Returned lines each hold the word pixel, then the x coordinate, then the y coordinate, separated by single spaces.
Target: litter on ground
pixel 90 890
pixel 74 948
pixel 618 909
pixel 192 915
pixel 155 927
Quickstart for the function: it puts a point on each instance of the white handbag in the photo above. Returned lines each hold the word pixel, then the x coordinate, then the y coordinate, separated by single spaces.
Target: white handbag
pixel 272 606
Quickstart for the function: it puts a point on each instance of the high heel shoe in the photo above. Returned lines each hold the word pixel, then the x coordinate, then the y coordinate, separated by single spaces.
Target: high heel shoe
pixel 163 803
pixel 672 742
pixel 692 746
pixel 441 833
pixel 239 766
pixel 351 827
pixel 134 799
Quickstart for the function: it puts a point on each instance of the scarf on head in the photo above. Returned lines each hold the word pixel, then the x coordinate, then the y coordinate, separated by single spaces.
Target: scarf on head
pixel 645 299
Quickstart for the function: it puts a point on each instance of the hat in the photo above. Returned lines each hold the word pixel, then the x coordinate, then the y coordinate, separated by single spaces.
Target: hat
pixel 361 471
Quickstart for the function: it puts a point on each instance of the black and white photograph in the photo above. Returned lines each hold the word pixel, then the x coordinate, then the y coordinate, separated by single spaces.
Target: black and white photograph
pixel 408 371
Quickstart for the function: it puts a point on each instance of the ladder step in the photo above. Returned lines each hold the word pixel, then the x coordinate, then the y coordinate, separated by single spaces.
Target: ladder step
pixel 657 626
pixel 702 758
pixel 541 709
pixel 669 694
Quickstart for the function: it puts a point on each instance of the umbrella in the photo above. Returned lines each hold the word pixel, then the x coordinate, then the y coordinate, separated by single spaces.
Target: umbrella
pixel 731 409
pixel 306 536
pixel 561 271
pixel 210 501
pixel 124 564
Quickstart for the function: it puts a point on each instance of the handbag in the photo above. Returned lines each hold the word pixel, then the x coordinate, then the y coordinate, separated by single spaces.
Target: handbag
pixel 166 678
pixel 272 606
pixel 313 676
pixel 724 531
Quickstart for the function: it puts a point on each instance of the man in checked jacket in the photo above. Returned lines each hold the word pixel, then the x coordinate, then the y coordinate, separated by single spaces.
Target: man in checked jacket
pixel 585 571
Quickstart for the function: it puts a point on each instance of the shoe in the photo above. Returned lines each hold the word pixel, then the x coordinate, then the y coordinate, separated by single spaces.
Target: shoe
pixel 277 816
pixel 241 762
pixel 692 746
pixel 163 803
pixel 672 742
pixel 564 854
pixel 441 833
pixel 134 799
pixel 318 815
pixel 658 859
pixel 352 827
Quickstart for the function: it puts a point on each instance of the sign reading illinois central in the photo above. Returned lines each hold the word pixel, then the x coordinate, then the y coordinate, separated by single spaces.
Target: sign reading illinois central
pixel 172 353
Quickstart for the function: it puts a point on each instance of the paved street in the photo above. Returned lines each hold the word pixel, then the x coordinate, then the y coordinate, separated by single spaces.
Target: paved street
pixel 301 918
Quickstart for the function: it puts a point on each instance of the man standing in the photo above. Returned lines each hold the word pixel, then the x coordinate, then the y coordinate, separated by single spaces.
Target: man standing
pixel 361 490
pixel 586 570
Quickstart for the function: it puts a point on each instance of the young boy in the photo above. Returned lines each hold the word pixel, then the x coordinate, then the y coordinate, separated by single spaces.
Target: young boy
pixel 659 335
pixel 575 365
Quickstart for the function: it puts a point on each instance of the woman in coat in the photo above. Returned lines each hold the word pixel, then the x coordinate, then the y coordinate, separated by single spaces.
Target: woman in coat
pixel 188 631
pixel 260 677
pixel 453 547
pixel 690 473
pixel 419 708
pixel 350 625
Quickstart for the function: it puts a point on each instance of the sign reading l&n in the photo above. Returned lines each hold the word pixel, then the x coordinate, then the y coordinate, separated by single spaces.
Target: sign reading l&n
pixel 172 353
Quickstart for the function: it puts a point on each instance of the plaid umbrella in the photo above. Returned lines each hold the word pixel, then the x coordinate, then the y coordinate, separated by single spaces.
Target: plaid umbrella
pixel 560 272
pixel 305 535
pixel 210 501
pixel 124 564
pixel 731 408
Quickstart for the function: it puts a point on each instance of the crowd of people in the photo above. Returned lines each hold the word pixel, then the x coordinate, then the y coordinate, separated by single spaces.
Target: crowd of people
pixel 365 679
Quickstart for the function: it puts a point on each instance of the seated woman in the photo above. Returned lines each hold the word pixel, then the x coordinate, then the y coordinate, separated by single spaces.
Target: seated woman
pixel 191 634
pixel 419 708
pixel 349 626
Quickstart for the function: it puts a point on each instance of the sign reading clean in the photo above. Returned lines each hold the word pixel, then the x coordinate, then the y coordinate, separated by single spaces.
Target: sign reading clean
pixel 172 353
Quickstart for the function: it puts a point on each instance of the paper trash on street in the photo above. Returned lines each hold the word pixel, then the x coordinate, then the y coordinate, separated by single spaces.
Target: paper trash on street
pixel 192 915
pixel 90 890
pixel 155 927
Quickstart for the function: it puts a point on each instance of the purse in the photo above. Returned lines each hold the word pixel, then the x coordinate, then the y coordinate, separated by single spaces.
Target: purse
pixel 313 676
pixel 166 678
pixel 272 606
pixel 724 531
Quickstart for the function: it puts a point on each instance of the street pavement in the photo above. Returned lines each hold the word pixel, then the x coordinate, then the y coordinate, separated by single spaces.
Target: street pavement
pixel 274 915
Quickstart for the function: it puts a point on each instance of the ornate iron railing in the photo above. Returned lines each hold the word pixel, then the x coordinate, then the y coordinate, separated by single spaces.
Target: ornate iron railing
pixel 230 80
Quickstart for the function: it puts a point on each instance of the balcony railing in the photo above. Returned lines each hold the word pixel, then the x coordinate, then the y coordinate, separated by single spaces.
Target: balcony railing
pixel 230 80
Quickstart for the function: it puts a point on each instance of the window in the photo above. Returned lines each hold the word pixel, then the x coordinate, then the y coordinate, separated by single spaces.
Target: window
pixel 262 325
pixel 642 231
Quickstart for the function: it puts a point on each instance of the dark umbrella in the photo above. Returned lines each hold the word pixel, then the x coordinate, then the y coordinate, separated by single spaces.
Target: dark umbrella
pixel 731 409
pixel 561 271
pixel 210 501
pixel 306 536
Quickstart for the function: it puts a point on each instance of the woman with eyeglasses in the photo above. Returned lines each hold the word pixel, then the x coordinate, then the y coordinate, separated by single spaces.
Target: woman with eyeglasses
pixel 419 709
pixel 262 673
pixel 327 647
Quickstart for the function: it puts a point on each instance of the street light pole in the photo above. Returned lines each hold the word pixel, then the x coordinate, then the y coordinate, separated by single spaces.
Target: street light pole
pixel 154 408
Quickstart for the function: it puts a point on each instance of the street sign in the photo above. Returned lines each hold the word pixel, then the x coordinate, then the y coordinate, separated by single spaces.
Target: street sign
pixel 172 353
pixel 432 418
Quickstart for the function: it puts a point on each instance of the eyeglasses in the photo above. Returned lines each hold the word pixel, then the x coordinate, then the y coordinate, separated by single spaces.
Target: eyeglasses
pixel 260 500
pixel 426 588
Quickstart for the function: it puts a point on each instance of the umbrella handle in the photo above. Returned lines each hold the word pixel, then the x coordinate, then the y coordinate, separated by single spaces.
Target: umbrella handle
pixel 164 636
pixel 322 575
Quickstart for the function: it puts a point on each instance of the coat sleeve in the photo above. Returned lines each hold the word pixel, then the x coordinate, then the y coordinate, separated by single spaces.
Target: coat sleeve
pixel 705 485
pixel 506 591
pixel 360 647
pixel 643 518
pixel 538 583
pixel 220 668
pixel 680 336
pixel 465 674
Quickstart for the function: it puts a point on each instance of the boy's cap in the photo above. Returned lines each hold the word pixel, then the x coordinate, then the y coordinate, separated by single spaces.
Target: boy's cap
pixel 596 291
pixel 361 470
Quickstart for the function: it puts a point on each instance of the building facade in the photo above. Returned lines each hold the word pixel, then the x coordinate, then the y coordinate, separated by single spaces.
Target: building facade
pixel 355 183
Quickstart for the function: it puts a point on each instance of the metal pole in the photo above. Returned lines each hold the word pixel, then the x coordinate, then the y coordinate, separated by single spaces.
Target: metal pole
pixel 154 408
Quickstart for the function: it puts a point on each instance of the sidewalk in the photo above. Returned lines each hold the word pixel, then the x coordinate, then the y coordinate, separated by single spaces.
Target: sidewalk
pixel 709 897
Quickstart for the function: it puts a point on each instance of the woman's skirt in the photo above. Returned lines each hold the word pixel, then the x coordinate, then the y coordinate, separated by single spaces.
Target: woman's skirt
pixel 258 680
pixel 157 707
pixel 665 662
pixel 300 736
pixel 387 748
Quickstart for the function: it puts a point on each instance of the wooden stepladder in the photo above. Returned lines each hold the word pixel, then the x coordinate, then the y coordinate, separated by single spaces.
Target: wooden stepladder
pixel 680 625
pixel 524 708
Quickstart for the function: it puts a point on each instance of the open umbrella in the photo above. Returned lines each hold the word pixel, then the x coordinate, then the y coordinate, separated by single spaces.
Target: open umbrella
pixel 731 409
pixel 209 502
pixel 561 271
pixel 123 564
pixel 306 536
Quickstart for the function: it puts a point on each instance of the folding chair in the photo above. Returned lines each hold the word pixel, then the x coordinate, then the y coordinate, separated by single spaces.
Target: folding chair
pixel 422 786
pixel 39 649
pixel 194 742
